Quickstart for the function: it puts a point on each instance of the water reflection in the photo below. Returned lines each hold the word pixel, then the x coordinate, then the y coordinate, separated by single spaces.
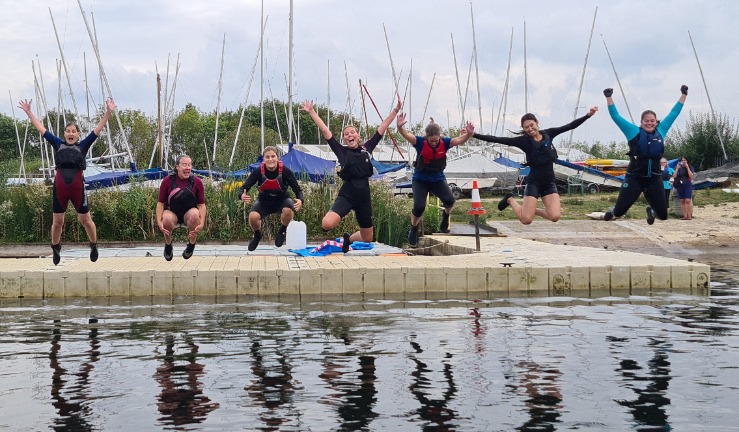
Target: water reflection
pixel 541 388
pixel 650 386
pixel 273 387
pixel 181 400
pixel 436 414
pixel 70 403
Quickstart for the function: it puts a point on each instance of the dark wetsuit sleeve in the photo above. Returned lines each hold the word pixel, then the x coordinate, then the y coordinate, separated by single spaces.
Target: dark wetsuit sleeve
pixel 372 142
pixel 86 143
pixel 250 181
pixel 54 140
pixel 553 132
pixel 338 149
pixel 289 177
pixel 518 141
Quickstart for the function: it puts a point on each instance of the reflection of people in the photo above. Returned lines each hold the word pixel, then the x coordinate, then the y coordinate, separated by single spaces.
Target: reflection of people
pixel 356 169
pixel 646 146
pixel 434 411
pixel 542 388
pixel 181 400
pixel 69 181
pixel 683 181
pixel 428 175
pixel 540 156
pixel 272 180
pixel 273 386
pixel 667 180
pixel 181 203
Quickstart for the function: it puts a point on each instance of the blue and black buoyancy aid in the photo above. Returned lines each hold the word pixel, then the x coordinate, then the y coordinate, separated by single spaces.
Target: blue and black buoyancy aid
pixel 274 186
pixel 431 159
pixel 357 165
pixel 180 200
pixel 70 156
pixel 645 152
pixel 542 154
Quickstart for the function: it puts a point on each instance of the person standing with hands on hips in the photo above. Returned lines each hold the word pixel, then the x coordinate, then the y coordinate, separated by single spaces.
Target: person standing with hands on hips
pixel 683 181
pixel 646 148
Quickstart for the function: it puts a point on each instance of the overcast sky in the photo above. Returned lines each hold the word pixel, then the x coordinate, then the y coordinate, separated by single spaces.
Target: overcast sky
pixel 340 40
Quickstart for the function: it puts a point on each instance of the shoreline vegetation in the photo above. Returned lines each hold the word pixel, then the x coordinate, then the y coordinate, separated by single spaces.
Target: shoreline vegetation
pixel 129 216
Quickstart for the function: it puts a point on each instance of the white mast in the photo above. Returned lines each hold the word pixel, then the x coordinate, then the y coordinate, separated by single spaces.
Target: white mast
pixel 291 118
pixel 525 74
pixel 218 101
pixel 261 83
pixel 582 80
pixel 618 81
pixel 477 71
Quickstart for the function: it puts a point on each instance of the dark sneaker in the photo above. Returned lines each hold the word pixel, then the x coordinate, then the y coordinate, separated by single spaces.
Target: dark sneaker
pixel 413 236
pixel 56 250
pixel 608 215
pixel 280 237
pixel 650 215
pixel 168 252
pixel 93 252
pixel 444 226
pixel 189 249
pixel 347 242
pixel 255 240
pixel 504 201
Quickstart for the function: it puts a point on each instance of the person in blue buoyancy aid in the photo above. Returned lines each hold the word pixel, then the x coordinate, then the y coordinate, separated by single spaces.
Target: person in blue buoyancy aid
pixel 69 182
pixel 356 169
pixel 646 147
pixel 428 174
pixel 272 180
pixel 181 203
pixel 538 145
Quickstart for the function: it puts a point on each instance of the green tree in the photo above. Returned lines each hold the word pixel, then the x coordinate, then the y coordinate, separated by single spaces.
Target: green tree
pixel 8 141
pixel 700 141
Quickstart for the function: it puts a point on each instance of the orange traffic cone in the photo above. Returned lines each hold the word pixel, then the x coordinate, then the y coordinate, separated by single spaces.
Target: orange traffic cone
pixel 476 208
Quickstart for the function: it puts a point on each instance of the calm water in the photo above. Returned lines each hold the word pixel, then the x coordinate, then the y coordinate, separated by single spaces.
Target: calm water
pixel 663 362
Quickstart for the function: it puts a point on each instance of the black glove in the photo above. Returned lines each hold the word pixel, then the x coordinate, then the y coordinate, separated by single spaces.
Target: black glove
pixel 684 89
pixel 608 92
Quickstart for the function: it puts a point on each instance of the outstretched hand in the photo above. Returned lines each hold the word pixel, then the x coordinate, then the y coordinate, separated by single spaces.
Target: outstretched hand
pixel 401 120
pixel 399 105
pixel 608 92
pixel 307 106
pixel 25 105
pixel 592 112
pixel 469 128
pixel 684 89
pixel 110 104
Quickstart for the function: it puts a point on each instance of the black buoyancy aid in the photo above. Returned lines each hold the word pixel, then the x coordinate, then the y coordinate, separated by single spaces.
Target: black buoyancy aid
pixel 645 152
pixel 431 159
pixel 181 200
pixel 272 185
pixel 357 165
pixel 543 154
pixel 70 156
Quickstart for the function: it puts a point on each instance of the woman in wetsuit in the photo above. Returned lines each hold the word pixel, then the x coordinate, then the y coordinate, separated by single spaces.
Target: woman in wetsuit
pixel 356 169
pixel 646 147
pixel 540 156
pixel 69 182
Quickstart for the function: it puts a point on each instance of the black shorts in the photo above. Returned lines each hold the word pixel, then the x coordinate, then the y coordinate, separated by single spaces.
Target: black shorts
pixel 539 188
pixel 268 207
pixel 355 195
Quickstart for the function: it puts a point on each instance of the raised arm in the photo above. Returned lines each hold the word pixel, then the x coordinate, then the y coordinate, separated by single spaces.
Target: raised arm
pixel 664 126
pixel 25 105
pixel 400 124
pixel 110 106
pixel 389 119
pixel 465 135
pixel 629 129
pixel 307 106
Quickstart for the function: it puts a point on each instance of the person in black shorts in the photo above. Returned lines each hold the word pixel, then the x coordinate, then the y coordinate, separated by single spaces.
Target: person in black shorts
pixel 356 169
pixel 272 180
pixel 69 182
pixel 538 144
pixel 181 203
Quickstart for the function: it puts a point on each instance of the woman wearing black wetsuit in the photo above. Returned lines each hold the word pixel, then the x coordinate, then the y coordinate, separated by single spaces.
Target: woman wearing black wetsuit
pixel 356 169
pixel 69 183
pixel 540 157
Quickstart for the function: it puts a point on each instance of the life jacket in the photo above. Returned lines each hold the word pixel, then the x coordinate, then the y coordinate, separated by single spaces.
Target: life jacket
pixel 357 165
pixel 645 152
pixel 543 154
pixel 274 185
pixel 70 156
pixel 179 200
pixel 430 159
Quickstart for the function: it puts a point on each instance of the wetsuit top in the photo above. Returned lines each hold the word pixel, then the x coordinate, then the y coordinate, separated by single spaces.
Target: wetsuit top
pixel 645 149
pixel 356 164
pixel 430 162
pixel 666 176
pixel 70 159
pixel 540 155
pixel 180 195
pixel 272 185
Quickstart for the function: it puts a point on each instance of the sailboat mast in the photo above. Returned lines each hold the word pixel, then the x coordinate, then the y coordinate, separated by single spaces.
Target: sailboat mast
pixel 582 79
pixel 477 71
pixel 710 104
pixel 218 100
pixel 64 63
pixel 456 72
pixel 291 119
pixel 261 84
pixel 618 80
pixel 525 73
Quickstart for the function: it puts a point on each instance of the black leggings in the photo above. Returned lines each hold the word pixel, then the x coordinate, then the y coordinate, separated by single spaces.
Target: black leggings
pixel 633 186
pixel 421 189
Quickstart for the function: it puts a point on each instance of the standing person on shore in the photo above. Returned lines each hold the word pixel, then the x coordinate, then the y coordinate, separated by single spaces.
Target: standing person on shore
pixel 356 169
pixel 428 175
pixel 683 181
pixel 540 156
pixel 667 179
pixel 646 147
pixel 181 204
pixel 69 182
pixel 272 180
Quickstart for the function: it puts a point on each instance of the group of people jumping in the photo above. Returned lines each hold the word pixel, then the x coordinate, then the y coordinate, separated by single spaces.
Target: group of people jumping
pixel 181 201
